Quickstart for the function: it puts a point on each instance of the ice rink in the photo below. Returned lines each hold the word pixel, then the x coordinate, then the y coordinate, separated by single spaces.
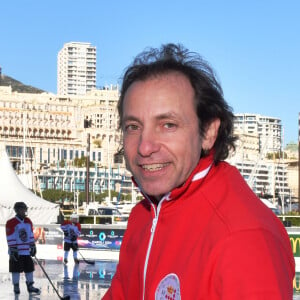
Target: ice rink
pixel 82 281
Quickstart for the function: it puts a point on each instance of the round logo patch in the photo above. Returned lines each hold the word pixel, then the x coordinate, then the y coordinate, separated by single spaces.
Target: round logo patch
pixel 168 288
pixel 23 235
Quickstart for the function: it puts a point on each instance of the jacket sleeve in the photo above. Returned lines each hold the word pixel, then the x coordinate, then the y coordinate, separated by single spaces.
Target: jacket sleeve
pixel 78 229
pixel 31 237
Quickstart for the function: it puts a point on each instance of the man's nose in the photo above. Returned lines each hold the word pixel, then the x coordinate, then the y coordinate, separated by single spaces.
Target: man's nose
pixel 148 142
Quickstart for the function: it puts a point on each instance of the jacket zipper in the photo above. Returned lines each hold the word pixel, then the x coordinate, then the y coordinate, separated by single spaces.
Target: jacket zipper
pixel 153 228
pixel 197 176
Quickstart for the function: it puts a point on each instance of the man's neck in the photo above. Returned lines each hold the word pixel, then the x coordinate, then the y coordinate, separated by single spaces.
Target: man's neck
pixel 20 217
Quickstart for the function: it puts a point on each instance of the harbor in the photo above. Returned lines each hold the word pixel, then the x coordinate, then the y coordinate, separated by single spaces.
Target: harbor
pixel 98 254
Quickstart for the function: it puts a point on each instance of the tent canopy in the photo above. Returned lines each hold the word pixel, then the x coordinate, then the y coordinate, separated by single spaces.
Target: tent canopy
pixel 12 190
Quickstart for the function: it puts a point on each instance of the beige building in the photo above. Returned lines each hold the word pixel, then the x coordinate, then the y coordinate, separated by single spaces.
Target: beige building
pixel 50 128
pixel 293 167
pixel 293 177
pixel 247 146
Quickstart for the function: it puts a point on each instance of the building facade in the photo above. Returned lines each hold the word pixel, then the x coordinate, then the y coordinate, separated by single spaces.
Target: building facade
pixel 76 69
pixel 268 130
pixel 39 131
pixel 259 136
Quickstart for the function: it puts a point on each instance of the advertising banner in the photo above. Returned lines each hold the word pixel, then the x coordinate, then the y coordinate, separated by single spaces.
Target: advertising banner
pixel 91 238
pixel 101 238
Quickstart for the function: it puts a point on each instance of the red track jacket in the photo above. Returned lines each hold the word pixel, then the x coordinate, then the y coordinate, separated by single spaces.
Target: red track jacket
pixel 210 239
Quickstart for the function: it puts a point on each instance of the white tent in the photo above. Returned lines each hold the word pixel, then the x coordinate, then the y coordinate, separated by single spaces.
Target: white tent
pixel 12 190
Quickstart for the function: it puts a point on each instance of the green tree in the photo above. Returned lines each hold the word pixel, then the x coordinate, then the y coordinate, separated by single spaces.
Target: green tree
pixel 81 162
pixel 58 195
pixel 62 163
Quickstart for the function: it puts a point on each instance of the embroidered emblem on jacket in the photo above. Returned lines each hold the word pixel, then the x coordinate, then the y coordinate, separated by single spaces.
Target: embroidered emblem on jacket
pixel 168 288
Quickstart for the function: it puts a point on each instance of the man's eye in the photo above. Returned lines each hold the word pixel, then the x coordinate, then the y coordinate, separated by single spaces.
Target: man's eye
pixel 131 127
pixel 169 125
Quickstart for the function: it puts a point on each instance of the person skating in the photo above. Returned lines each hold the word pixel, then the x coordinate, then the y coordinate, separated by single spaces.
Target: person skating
pixel 71 229
pixel 21 248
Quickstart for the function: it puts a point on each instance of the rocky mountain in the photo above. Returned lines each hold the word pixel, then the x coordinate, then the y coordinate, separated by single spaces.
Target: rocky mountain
pixel 18 86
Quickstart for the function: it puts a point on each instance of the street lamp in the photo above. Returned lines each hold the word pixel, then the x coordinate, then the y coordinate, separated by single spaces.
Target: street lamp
pixel 87 124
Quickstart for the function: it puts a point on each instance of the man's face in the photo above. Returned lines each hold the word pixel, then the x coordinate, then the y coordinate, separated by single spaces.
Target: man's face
pixel 22 212
pixel 162 142
pixel 74 220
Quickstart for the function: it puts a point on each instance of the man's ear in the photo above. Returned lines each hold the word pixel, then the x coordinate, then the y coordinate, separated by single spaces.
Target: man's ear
pixel 211 134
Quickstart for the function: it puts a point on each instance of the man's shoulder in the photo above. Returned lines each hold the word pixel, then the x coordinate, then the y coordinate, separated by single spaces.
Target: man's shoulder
pixel 234 199
pixel 226 175
pixel 27 220
pixel 12 221
pixel 10 225
pixel 66 222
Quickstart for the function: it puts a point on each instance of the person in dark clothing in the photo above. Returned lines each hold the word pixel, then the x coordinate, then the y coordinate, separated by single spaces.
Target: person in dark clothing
pixel 21 248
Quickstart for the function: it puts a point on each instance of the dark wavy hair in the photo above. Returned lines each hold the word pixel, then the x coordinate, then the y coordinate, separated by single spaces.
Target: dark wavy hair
pixel 209 100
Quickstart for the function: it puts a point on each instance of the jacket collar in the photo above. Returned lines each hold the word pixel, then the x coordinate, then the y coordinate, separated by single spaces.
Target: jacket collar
pixel 198 174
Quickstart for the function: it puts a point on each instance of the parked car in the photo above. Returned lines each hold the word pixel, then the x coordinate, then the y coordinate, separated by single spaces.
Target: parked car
pixel 107 215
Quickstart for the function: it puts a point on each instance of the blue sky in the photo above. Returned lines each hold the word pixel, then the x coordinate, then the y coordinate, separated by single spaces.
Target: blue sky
pixel 254 46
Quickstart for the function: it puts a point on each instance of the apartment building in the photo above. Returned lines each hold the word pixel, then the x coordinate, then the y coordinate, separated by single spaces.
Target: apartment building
pixel 259 135
pixel 268 130
pixel 76 69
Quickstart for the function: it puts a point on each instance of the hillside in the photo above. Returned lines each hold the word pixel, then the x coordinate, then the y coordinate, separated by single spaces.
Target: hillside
pixel 18 86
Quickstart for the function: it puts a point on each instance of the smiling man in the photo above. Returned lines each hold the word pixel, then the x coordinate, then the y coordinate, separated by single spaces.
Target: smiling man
pixel 162 142
pixel 200 232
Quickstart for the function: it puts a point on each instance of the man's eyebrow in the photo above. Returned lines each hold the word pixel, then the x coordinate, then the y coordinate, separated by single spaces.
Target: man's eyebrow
pixel 130 118
pixel 167 115
pixel 162 116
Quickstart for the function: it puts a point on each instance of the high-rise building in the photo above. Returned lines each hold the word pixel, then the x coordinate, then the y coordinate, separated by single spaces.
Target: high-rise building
pixel 259 136
pixel 76 69
pixel 267 129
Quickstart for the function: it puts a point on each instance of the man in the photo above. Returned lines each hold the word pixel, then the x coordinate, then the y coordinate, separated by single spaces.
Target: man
pixel 72 230
pixel 200 232
pixel 21 246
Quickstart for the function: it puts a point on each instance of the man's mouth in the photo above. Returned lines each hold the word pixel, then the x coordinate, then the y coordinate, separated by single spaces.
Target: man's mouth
pixel 154 167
